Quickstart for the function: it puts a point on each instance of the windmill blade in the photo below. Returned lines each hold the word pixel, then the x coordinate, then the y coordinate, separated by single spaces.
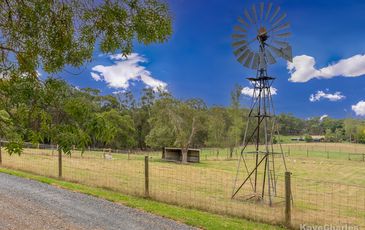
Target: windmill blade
pixel 281 43
pixel 240 50
pixel 239 43
pixel 279 19
pixel 261 10
pixel 247 15
pixel 239 36
pixel 243 22
pixel 270 58
pixel 239 28
pixel 288 53
pixel 254 13
pixel 243 56
pixel 283 35
pixel 285 53
pixel 275 13
pixel 248 60
pixel 255 62
pixel 281 27
pixel 268 11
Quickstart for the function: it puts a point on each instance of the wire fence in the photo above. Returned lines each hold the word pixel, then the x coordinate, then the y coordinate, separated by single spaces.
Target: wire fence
pixel 205 186
pixel 340 151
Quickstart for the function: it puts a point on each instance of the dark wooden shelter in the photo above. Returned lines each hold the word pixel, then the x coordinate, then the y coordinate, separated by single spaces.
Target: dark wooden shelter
pixel 176 155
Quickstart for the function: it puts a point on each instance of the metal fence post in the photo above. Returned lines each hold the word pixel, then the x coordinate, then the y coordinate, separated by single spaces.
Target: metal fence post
pixel 146 177
pixel 287 199
pixel 59 163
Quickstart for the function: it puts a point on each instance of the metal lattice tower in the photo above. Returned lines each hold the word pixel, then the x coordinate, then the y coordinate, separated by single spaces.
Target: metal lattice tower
pixel 257 170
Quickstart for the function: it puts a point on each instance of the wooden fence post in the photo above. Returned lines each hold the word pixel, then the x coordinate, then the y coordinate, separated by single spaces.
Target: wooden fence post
pixel 1 159
pixel 287 199
pixel 146 177
pixel 59 163
pixel 307 152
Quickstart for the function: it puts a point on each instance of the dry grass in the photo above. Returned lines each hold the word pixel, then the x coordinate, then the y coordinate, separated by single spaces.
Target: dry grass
pixel 324 190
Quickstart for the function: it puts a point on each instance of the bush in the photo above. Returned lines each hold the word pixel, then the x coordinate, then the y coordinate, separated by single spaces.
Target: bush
pixel 308 138
pixel 14 147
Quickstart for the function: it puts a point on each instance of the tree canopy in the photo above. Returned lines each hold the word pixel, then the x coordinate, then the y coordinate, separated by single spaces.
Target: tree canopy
pixel 51 34
pixel 54 112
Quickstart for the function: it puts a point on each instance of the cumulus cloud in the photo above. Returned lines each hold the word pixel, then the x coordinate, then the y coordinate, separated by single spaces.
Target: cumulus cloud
pixel 359 108
pixel 319 95
pixel 323 117
pixel 124 70
pixel 247 91
pixel 302 69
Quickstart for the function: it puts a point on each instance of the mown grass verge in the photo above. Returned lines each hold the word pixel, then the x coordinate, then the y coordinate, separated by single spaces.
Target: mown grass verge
pixel 191 217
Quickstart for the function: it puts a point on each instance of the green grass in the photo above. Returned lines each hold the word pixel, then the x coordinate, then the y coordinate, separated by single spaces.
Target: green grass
pixel 188 216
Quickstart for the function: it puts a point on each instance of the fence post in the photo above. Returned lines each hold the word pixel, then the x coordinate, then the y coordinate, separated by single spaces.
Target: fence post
pixel 59 163
pixel 307 152
pixel 146 177
pixel 1 159
pixel 287 199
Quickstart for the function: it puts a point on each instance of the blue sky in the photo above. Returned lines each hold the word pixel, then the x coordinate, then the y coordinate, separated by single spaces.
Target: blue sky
pixel 198 61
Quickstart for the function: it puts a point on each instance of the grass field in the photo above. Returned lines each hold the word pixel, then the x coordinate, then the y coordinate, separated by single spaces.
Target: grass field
pixel 327 187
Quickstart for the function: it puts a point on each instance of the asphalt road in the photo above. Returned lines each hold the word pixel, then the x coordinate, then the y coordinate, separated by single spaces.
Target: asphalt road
pixel 27 204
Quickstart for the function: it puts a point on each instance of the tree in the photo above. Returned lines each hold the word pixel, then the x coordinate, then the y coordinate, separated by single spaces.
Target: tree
pixel 236 115
pixel 52 34
pixel 124 129
pixel 176 123
pixel 350 128
pixel 218 123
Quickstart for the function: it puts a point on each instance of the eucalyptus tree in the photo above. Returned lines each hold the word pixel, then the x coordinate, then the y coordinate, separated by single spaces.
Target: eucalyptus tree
pixel 51 34
pixel 176 123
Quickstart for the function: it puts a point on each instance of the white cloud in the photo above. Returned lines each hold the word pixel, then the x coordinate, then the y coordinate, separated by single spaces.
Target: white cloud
pixel 95 76
pixel 359 108
pixel 125 70
pixel 323 117
pixel 302 69
pixel 322 95
pixel 247 91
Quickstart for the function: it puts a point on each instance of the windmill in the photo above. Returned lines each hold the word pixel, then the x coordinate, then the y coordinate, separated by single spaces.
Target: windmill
pixel 258 40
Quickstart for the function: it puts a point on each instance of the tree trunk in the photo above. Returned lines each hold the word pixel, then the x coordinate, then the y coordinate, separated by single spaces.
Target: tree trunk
pixel 184 155
pixel 231 148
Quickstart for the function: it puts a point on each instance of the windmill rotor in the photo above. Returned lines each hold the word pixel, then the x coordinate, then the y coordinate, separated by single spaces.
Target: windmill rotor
pixel 259 37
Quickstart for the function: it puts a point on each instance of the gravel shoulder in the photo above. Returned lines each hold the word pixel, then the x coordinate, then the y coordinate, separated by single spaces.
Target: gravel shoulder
pixel 27 204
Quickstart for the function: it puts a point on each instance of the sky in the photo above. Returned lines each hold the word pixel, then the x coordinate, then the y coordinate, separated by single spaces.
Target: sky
pixel 326 77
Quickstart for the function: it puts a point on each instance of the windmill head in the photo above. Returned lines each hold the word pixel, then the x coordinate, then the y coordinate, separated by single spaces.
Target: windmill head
pixel 259 38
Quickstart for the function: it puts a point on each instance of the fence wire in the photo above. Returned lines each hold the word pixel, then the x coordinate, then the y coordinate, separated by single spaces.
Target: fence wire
pixel 205 186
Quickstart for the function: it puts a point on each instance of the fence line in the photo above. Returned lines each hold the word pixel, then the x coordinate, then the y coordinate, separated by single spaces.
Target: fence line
pixel 196 186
